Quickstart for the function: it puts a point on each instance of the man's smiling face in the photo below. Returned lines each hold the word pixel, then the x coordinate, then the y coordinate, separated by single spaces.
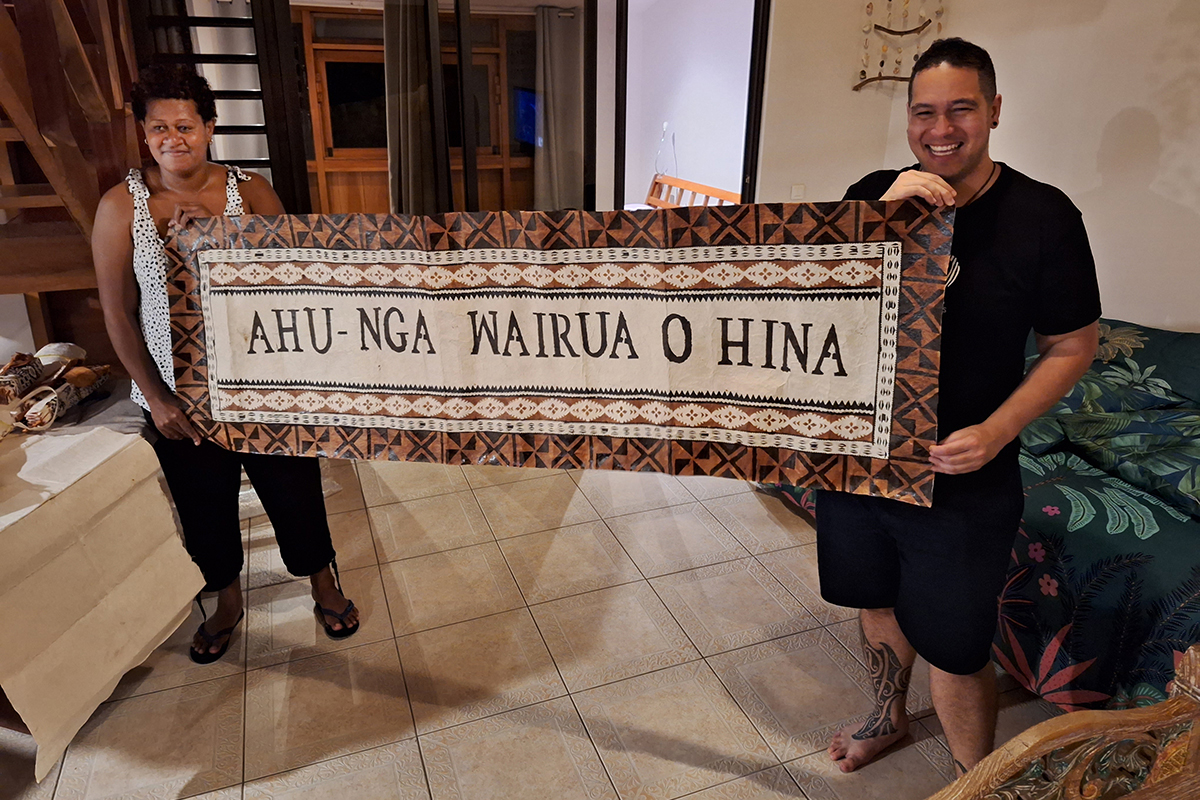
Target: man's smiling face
pixel 950 122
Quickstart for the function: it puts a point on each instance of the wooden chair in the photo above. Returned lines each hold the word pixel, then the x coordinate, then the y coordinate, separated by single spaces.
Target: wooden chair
pixel 667 191
pixel 1150 753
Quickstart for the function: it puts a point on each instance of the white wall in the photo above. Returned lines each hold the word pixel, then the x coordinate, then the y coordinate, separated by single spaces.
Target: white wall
pixel 1101 98
pixel 15 333
pixel 689 66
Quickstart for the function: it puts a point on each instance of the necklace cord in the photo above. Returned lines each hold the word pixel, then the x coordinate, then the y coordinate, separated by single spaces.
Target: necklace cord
pixel 979 191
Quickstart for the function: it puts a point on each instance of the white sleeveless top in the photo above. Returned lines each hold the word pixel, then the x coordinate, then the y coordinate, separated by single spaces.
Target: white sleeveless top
pixel 150 269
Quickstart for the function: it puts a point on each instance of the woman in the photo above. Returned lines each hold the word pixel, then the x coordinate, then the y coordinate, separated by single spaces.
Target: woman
pixel 177 111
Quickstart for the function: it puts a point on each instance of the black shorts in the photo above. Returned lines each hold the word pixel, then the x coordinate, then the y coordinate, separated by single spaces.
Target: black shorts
pixel 940 568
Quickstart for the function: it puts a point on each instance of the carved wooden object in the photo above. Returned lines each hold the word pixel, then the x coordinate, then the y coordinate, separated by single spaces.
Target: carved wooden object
pixel 1150 753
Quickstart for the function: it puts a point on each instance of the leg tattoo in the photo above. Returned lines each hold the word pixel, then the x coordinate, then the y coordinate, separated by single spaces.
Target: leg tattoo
pixel 891 681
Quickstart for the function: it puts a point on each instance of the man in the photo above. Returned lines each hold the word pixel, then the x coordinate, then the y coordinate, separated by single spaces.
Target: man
pixel 927 579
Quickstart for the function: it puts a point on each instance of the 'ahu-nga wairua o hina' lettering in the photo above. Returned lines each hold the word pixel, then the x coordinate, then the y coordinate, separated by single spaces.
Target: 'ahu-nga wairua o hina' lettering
pixel 777 344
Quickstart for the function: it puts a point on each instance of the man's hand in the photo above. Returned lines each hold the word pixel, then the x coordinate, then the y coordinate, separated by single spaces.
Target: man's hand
pixel 171 421
pixel 924 185
pixel 965 450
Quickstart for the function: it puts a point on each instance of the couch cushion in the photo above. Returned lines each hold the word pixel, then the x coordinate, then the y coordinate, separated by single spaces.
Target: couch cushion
pixel 1156 450
pixel 1045 433
pixel 1174 355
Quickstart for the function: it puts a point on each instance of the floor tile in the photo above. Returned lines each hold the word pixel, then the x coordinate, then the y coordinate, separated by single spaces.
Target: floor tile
pixel 342 471
pixel 671 732
pixel 674 539
pixel 171 666
pixel 731 605
pixel 535 505
pixel 174 743
pixel 428 525
pixel 386 482
pixel 392 772
pixel 323 707
pixel 920 701
pixel 540 751
pixel 613 492
pixel 474 669
pixel 428 591
pixel 760 522
pixel 17 754
pixel 611 634
pixel 567 561
pixel 481 475
pixel 351 537
pixel 770 784
pixel 1004 681
pixel 281 625
pixel 796 568
pixel 798 691
pixel 910 770
pixel 704 487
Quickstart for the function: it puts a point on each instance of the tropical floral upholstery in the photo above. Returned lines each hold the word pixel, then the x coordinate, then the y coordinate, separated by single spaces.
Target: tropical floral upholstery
pixel 1156 450
pixel 1103 593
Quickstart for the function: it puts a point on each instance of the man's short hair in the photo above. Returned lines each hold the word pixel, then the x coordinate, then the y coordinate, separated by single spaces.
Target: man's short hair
pixel 958 53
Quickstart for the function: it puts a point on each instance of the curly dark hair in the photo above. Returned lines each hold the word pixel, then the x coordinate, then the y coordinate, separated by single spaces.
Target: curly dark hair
pixel 173 82
pixel 958 53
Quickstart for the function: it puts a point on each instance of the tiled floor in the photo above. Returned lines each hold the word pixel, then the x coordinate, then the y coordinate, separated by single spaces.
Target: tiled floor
pixel 525 634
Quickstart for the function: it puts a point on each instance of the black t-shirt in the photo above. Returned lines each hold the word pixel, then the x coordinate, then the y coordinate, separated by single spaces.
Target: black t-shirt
pixel 1020 259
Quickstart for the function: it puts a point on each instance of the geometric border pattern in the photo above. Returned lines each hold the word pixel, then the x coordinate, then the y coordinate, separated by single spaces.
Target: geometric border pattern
pixel 924 235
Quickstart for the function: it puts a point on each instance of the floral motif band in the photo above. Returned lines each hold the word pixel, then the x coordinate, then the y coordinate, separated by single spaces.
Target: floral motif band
pixel 778 343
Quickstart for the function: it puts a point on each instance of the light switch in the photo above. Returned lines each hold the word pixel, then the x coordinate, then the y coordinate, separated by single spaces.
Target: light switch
pixel 797 191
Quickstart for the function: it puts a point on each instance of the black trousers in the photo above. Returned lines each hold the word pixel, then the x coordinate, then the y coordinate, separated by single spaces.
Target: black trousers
pixel 205 480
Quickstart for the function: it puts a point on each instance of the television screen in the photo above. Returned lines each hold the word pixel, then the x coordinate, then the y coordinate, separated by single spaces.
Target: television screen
pixel 525 116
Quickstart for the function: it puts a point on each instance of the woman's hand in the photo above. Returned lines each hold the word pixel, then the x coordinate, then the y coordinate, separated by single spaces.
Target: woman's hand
pixel 184 213
pixel 924 185
pixel 171 421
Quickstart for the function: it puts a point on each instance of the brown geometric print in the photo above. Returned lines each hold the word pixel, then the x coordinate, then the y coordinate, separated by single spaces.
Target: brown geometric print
pixel 329 293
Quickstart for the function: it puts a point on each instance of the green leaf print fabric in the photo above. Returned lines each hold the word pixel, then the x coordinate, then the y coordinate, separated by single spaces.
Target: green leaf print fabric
pixel 1158 451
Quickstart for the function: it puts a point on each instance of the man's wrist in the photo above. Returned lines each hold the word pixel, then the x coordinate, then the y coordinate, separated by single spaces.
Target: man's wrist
pixel 999 433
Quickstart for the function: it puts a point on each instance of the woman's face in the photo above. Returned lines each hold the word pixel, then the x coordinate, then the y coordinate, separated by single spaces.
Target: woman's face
pixel 177 137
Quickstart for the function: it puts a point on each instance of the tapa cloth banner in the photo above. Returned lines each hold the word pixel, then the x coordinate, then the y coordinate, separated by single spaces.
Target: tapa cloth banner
pixel 779 343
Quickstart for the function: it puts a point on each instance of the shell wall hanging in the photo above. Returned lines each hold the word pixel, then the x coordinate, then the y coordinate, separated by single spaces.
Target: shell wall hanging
pixel 895 33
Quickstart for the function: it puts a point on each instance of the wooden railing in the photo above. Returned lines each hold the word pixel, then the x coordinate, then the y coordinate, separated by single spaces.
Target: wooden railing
pixel 667 191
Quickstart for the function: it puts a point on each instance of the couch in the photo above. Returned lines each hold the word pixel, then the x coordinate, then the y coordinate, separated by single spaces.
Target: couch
pixel 1102 597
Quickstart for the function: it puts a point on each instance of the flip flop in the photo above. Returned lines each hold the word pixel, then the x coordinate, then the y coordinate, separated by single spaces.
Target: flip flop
pixel 322 612
pixel 346 630
pixel 205 656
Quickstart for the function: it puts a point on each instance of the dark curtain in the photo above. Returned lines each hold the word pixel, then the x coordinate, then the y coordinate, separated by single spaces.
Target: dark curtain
pixel 411 151
pixel 558 158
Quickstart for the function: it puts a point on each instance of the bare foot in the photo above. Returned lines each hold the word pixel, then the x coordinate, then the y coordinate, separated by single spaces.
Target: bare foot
pixel 856 745
pixel 229 609
pixel 326 595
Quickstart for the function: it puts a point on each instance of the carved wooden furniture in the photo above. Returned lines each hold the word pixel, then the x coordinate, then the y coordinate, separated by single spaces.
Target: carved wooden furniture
pixel 667 191
pixel 1149 753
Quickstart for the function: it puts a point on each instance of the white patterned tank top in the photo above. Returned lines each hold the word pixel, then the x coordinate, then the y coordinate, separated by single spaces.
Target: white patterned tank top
pixel 150 270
